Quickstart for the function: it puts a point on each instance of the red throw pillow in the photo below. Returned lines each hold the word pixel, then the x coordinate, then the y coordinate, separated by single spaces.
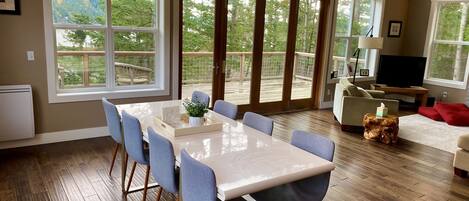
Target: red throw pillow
pixel 454 114
pixel 431 113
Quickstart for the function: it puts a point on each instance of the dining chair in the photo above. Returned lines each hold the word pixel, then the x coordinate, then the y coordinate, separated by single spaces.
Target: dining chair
pixel 133 137
pixel 198 180
pixel 259 122
pixel 309 189
pixel 114 125
pixel 201 97
pixel 162 161
pixel 226 109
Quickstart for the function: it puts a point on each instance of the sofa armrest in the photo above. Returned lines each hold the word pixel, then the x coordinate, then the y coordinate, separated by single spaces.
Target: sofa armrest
pixel 376 93
pixel 355 108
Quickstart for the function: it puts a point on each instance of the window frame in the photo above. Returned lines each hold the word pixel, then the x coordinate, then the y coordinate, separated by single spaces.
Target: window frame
pixel 371 57
pixel 161 32
pixel 431 40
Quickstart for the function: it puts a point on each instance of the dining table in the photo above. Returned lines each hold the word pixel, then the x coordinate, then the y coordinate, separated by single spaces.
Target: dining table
pixel 243 159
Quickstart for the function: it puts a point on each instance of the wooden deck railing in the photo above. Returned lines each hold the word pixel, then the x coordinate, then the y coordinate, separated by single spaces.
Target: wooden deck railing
pixel 198 66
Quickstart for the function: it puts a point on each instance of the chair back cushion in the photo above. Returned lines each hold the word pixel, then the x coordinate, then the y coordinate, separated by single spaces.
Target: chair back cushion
pixel 133 138
pixel 259 122
pixel 162 162
pixel 309 189
pixel 113 120
pixel 201 97
pixel 226 109
pixel 198 180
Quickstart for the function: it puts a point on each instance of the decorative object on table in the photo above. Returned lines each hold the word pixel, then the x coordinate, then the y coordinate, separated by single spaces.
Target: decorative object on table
pixel 366 43
pixel 196 111
pixel 170 113
pixel 383 129
pixel 10 7
pixel 364 72
pixel 381 111
pixel 181 126
pixel 334 74
pixel 395 29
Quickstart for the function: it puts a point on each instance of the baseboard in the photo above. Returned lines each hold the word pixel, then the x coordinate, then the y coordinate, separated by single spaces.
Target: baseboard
pixel 59 136
pixel 326 105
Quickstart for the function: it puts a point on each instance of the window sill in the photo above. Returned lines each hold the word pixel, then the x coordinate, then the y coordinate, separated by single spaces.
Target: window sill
pixel 93 96
pixel 357 79
pixel 446 83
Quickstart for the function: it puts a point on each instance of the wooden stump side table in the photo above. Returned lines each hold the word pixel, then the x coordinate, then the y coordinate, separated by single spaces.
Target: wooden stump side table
pixel 382 129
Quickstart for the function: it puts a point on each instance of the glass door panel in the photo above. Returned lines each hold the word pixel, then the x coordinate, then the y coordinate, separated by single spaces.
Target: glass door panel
pixel 197 46
pixel 306 38
pixel 275 46
pixel 239 43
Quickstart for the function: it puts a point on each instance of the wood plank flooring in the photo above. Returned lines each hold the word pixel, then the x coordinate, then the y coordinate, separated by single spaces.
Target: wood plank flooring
pixel 365 170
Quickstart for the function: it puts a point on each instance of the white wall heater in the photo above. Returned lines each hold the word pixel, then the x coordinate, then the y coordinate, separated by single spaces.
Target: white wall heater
pixel 16 112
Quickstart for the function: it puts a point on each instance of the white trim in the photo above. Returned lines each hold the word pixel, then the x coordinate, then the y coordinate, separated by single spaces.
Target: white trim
pixel 59 136
pixel 162 70
pixel 431 39
pixel 326 105
pixel 446 83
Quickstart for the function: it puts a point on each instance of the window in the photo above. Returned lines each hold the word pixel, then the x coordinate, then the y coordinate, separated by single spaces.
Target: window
pixel 354 18
pixel 448 45
pixel 104 47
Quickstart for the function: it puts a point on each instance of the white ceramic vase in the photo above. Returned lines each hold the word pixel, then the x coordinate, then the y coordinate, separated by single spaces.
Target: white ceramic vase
pixel 196 121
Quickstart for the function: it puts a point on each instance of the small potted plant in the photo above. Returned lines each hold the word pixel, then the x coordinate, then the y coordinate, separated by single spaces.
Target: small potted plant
pixel 196 111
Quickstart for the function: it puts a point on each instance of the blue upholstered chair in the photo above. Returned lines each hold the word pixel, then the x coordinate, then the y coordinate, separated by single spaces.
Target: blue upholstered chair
pixel 259 122
pixel 114 126
pixel 226 109
pixel 162 161
pixel 198 180
pixel 201 97
pixel 309 189
pixel 133 137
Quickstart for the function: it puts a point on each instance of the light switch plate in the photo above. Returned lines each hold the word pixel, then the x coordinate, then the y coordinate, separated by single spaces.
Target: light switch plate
pixel 30 55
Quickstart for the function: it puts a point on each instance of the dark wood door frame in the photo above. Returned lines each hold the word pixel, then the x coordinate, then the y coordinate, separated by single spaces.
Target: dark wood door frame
pixel 219 56
pixel 290 54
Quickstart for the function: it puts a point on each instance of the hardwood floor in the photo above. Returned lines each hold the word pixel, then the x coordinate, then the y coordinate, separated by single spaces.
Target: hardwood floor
pixel 365 170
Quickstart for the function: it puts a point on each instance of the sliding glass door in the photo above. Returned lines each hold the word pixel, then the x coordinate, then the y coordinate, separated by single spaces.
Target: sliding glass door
pixel 258 54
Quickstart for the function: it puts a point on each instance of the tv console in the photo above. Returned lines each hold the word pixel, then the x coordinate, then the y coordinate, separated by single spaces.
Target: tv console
pixel 420 93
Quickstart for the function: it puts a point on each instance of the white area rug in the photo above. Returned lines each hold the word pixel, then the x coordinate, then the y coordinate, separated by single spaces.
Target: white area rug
pixel 422 130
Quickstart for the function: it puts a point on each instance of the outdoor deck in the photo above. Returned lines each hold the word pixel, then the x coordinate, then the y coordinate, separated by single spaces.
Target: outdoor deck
pixel 238 92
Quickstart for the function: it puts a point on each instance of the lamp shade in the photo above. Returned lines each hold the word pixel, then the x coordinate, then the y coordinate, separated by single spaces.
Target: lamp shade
pixel 370 43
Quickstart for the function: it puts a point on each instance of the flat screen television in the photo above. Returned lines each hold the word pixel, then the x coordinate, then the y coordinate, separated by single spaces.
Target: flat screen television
pixel 401 71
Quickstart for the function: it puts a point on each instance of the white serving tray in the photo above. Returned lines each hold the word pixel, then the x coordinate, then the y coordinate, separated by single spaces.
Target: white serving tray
pixel 181 126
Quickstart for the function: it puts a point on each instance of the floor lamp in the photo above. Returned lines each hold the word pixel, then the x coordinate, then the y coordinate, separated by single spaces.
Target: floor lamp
pixel 366 43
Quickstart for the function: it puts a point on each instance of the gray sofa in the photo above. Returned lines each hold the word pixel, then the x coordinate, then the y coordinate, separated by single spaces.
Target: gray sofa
pixel 351 103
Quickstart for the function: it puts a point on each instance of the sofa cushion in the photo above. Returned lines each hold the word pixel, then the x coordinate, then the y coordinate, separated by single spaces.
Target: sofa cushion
pixel 456 114
pixel 430 112
pixel 364 93
pixel 463 142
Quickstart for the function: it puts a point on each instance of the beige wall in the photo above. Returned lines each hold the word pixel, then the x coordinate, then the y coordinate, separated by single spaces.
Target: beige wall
pixel 19 34
pixel 395 10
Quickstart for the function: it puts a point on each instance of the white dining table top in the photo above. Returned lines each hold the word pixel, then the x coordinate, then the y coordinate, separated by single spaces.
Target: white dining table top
pixel 244 160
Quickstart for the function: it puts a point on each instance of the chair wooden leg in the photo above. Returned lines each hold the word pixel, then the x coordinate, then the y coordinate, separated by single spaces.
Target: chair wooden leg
pixel 114 158
pixel 145 187
pixel 158 196
pixel 131 175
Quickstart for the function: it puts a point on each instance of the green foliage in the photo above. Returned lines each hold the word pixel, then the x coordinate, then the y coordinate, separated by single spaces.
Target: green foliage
pixel 195 109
